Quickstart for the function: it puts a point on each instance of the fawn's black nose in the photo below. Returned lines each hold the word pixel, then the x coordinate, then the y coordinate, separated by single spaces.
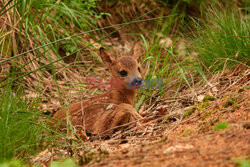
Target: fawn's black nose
pixel 136 81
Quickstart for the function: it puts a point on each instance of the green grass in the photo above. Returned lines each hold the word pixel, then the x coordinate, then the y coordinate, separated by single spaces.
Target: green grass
pixel 20 134
pixel 222 38
pixel 160 61
pixel 43 22
pixel 12 163
pixel 25 130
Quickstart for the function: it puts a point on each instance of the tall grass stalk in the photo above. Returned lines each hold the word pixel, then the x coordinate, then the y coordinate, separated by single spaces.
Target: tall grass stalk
pixel 222 37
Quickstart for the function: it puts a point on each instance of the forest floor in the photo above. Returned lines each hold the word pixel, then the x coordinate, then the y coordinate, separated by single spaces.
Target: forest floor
pixel 216 136
pixel 212 132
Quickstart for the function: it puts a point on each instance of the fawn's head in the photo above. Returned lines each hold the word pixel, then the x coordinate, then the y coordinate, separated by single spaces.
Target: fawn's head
pixel 126 70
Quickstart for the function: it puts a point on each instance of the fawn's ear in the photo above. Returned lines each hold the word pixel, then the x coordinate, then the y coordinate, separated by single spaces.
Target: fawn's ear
pixel 136 50
pixel 106 57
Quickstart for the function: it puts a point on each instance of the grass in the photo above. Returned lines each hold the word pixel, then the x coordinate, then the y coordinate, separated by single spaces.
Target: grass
pixel 161 62
pixel 25 130
pixel 222 38
pixel 20 133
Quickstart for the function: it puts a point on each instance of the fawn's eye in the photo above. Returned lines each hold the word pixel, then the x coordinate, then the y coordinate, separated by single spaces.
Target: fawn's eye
pixel 139 69
pixel 123 73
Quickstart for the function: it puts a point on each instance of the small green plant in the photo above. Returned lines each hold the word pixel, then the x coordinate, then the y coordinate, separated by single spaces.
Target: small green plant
pixel 208 98
pixel 189 111
pixel 221 126
pixel 69 162
pixel 88 157
pixel 206 114
pixel 241 162
pixel 186 133
pixel 203 106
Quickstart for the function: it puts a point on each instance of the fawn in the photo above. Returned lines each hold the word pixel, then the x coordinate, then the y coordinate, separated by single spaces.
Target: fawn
pixel 113 110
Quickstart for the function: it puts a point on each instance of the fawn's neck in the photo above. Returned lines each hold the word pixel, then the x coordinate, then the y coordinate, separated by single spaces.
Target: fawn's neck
pixel 123 96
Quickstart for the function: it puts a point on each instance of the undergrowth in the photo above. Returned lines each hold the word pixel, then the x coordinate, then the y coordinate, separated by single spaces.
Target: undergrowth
pixel 222 38
pixel 20 132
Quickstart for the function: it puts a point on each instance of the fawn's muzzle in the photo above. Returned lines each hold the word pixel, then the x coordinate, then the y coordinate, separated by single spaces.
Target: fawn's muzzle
pixel 136 82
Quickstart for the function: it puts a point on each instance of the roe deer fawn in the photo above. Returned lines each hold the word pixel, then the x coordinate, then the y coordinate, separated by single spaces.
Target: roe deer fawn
pixel 105 113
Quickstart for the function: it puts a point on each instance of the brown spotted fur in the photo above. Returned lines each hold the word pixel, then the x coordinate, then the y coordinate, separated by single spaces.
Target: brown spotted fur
pixel 105 113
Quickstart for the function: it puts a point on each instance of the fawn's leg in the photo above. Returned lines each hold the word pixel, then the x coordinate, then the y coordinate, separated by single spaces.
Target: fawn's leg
pixel 116 118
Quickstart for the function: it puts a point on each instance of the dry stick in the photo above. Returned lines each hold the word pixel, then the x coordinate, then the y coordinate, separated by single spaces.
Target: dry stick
pixel 232 85
pixel 215 77
pixel 64 67
pixel 205 67
pixel 145 123
pixel 235 61
pixel 245 84
pixel 83 122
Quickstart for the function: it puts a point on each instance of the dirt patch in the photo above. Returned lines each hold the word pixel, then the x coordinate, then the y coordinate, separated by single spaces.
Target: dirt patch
pixel 206 149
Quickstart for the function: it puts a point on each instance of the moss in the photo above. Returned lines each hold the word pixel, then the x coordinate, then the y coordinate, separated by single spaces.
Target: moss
pixel 221 126
pixel 241 162
pixel 69 162
pixel 165 119
pixel 203 106
pixel 186 133
pixel 88 157
pixel 206 114
pixel 208 98
pixel 247 87
pixel 229 102
pixel 189 111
